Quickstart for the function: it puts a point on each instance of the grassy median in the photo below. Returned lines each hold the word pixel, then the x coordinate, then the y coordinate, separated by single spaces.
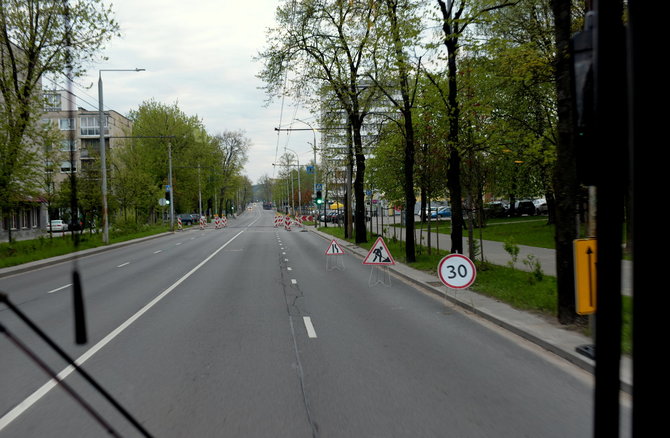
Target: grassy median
pixel 24 251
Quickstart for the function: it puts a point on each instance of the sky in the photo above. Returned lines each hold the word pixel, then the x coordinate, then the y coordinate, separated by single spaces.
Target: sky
pixel 199 54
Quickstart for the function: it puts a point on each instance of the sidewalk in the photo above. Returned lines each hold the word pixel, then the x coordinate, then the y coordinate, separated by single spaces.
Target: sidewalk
pixel 544 333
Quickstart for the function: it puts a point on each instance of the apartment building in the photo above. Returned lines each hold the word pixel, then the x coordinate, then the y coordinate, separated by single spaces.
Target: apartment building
pixel 80 139
pixel 80 131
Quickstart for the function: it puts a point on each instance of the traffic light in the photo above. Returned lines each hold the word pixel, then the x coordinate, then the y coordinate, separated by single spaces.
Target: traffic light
pixel 319 198
pixel 167 197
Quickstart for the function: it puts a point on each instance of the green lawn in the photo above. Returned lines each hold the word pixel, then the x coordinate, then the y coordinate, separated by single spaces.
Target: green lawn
pixel 24 251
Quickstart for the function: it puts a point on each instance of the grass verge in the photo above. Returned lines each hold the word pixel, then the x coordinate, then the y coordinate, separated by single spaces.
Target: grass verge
pixel 24 251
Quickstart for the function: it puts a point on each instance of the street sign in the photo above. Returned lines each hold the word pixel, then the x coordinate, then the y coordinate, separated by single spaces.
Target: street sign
pixel 309 170
pixel 318 186
pixel 585 255
pixel 334 248
pixel 457 271
pixel 162 202
pixel 379 254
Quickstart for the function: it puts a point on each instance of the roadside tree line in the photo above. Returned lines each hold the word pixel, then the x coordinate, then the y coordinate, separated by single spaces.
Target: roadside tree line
pixel 46 43
pixel 462 97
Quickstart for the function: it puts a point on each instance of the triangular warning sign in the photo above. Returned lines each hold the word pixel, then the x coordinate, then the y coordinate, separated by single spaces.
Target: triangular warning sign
pixel 379 254
pixel 334 248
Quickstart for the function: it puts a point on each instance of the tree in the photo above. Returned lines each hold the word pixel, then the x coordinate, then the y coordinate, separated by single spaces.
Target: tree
pixel 566 173
pixel 33 44
pixel 454 21
pixel 402 36
pixel 231 154
pixel 327 45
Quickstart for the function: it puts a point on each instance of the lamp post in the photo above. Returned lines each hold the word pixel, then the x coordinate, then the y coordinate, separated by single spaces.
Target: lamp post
pixel 299 194
pixel 316 222
pixel 103 153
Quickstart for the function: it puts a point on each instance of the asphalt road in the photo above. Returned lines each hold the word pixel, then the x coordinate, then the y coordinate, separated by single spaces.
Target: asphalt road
pixel 245 331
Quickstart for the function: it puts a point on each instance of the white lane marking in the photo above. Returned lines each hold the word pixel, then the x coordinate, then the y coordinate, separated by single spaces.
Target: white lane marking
pixel 178 243
pixel 59 288
pixel 294 281
pixel 286 260
pixel 156 252
pixel 123 264
pixel 288 268
pixel 310 328
pixel 44 389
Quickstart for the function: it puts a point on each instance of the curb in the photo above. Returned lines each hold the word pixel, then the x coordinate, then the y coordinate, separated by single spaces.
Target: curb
pixel 574 358
pixel 25 267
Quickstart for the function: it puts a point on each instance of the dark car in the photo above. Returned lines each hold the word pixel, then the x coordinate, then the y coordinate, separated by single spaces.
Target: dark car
pixel 186 219
pixel 75 226
pixel 524 207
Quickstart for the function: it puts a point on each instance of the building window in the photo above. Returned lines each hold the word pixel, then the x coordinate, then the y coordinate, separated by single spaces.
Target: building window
pixel 52 102
pixel 68 145
pixel 66 124
pixel 66 167
pixel 90 126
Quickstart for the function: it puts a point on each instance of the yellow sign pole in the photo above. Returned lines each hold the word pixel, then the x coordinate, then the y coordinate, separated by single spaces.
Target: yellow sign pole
pixel 585 275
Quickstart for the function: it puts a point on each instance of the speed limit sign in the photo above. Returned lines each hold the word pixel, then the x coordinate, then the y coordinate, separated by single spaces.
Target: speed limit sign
pixel 457 271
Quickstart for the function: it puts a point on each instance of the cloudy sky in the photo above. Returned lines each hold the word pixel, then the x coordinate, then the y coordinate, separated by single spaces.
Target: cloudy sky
pixel 199 54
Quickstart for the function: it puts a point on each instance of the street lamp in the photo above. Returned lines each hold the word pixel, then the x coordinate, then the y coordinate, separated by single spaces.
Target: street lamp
pixel 316 222
pixel 299 194
pixel 103 158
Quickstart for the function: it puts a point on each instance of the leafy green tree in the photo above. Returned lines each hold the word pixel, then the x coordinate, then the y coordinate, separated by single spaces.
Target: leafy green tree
pixel 327 45
pixel 33 40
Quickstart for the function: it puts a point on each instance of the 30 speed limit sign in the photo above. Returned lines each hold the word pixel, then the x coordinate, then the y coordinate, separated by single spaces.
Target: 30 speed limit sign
pixel 457 271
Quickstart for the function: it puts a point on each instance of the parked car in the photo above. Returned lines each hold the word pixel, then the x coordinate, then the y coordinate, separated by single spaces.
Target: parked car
pixel 524 207
pixel 75 226
pixel 186 219
pixel 496 209
pixel 57 225
pixel 440 212
pixel 540 206
pixel 332 216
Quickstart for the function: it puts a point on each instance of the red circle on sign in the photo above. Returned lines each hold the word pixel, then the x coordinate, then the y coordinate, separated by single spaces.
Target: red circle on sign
pixel 457 271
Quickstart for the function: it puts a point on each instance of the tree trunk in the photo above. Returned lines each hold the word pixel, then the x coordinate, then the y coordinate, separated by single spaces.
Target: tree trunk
pixel 565 177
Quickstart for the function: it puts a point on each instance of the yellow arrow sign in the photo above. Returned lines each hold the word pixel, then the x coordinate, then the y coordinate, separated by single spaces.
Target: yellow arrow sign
pixel 585 275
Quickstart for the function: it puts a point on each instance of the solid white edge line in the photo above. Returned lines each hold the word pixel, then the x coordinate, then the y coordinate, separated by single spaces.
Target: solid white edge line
pixel 44 389
pixel 310 328
pixel 59 288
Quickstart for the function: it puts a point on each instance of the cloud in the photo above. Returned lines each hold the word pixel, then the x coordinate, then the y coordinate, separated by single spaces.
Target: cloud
pixel 199 54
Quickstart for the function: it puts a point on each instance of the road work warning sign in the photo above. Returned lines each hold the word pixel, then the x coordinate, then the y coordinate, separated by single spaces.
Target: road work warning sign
pixel 334 248
pixel 379 254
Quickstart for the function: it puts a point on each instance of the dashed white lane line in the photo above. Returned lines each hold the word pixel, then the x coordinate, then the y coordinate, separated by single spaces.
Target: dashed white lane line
pixel 288 268
pixel 156 252
pixel 123 264
pixel 10 416
pixel 294 281
pixel 59 288
pixel 310 328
